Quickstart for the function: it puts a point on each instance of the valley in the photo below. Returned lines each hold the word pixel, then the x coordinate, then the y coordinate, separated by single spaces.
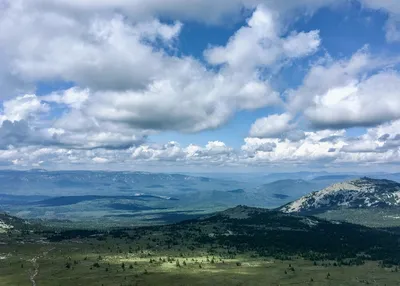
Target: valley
pixel 115 199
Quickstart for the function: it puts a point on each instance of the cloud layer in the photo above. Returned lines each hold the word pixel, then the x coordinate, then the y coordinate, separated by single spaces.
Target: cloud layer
pixel 121 79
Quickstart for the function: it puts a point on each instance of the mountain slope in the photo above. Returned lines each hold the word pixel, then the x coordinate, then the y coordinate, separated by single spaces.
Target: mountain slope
pixel 265 233
pixel 354 194
pixel 8 223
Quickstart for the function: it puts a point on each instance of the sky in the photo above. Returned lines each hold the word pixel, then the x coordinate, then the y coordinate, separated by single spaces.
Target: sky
pixel 200 85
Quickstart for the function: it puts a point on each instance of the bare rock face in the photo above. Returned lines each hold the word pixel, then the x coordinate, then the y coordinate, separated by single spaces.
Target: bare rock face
pixel 359 193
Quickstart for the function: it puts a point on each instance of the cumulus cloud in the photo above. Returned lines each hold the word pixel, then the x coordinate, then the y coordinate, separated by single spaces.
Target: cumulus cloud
pixel 213 152
pixel 273 126
pixel 100 160
pixel 309 149
pixel 22 108
pixel 73 97
pixel 19 133
pixel 189 100
pixel 254 145
pixel 341 94
pixel 312 150
pixel 103 53
pixel 328 148
pixel 124 71
pixel 356 104
pixel 259 44
pixel 23 122
pixel 327 74
pixel 129 80
pixel 168 152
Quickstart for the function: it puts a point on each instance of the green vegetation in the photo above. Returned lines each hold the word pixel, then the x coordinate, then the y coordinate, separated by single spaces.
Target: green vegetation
pixel 377 217
pixel 81 264
pixel 240 246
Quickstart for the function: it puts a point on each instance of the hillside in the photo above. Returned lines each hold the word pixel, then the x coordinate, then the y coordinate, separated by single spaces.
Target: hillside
pixel 11 223
pixel 238 246
pixel 355 194
pixel 264 232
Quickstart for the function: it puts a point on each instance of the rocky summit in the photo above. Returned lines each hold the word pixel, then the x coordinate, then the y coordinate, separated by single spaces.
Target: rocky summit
pixel 360 193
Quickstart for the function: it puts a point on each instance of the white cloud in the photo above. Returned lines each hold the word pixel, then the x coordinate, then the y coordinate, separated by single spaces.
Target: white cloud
pixel 273 126
pixel 310 149
pixel 301 44
pixel 254 145
pixel 327 74
pixel 259 44
pixel 154 30
pixel 125 76
pixel 73 97
pixel 168 152
pixel 101 53
pixel 341 94
pixel 100 160
pixel 213 152
pixel 323 149
pixel 213 148
pixel 190 100
pixel 381 139
pixel 130 81
pixel 22 107
pixel 372 101
pixel 19 133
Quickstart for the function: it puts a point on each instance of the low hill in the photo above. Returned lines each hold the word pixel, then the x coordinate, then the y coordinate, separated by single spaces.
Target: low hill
pixel 265 233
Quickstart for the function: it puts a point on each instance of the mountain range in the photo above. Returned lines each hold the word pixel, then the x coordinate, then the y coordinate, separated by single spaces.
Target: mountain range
pixel 144 198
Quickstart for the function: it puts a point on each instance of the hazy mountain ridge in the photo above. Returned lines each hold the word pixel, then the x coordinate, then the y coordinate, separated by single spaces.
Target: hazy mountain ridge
pixel 360 193
pixel 41 182
pixel 100 195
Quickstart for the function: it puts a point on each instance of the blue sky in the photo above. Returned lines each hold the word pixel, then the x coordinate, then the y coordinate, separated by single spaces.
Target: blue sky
pixel 205 85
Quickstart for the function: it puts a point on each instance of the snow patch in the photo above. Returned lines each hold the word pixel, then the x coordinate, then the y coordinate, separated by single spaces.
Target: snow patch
pixel 3 225
pixel 396 196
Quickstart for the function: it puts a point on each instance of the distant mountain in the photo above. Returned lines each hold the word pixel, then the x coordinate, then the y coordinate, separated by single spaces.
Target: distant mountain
pixel 280 192
pixel 334 177
pixel 95 195
pixel 69 183
pixel 354 194
pixel 293 176
pixel 290 188
pixel 72 200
